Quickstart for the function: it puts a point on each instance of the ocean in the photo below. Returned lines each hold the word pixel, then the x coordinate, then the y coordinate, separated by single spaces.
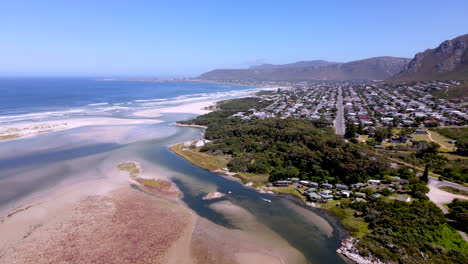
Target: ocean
pixel 31 99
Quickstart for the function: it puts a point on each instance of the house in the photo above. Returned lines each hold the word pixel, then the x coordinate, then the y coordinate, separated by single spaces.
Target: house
pixel 327 186
pixel 374 182
pixel 282 183
pixel 294 179
pixel 341 187
pixel 375 196
pixel 359 200
pixel 310 190
pixel 360 195
pixel 313 184
pixel 403 198
pixel 344 194
pixel 327 197
pixel 325 192
pixel 304 182
pixel 357 185
pixel 379 147
pixel 420 131
pixel 313 196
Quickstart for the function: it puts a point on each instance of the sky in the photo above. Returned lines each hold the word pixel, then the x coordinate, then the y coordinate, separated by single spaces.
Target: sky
pixel 186 38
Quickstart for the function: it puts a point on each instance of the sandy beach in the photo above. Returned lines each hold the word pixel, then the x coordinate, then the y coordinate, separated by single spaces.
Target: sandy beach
pixel 21 130
pixel 198 108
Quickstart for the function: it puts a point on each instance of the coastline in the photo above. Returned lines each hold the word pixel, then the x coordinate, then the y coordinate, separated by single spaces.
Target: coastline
pixel 104 218
pixel 30 129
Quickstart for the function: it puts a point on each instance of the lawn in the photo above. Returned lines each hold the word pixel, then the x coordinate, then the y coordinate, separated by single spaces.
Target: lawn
pixel 257 179
pixel 355 225
pixel 201 159
pixel 292 190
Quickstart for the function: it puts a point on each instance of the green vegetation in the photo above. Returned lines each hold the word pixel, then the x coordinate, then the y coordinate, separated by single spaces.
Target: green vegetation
pixel 285 148
pixel 391 230
pixel 130 167
pixel 204 160
pixel 453 190
pixel 355 225
pixel 256 178
pixel 414 232
pixel 149 182
pixel 458 211
pixel 455 133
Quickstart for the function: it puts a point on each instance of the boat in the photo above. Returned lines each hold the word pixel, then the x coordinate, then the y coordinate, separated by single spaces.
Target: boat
pixel 266 200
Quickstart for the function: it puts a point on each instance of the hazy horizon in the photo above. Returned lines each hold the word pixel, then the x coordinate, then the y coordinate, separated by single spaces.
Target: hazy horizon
pixel 185 39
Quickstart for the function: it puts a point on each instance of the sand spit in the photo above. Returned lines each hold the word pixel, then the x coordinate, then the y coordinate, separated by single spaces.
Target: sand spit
pixel 102 221
pixel 21 130
pixel 198 108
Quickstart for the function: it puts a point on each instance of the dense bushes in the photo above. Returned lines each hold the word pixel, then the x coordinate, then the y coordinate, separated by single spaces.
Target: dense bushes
pixel 414 232
pixel 292 147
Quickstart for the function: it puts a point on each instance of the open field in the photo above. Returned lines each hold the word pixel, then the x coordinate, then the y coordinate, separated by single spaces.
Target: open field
pixel 203 160
pixel 357 226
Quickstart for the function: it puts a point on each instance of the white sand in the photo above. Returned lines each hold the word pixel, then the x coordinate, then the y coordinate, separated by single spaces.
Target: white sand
pixel 198 108
pixel 34 128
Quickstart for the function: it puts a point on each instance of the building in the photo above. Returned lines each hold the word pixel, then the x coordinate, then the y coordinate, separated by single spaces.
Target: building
pixel 374 182
pixel 360 195
pixel 341 187
pixel 313 197
pixel 282 183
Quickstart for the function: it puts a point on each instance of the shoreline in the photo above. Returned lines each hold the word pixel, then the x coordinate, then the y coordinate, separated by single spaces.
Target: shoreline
pixel 30 129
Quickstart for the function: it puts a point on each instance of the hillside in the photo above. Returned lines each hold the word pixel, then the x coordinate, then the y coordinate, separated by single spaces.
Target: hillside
pixel 377 68
pixel 449 61
pixel 295 64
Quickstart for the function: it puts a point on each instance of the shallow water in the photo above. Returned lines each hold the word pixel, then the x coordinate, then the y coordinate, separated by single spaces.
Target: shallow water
pixel 29 172
pixel 280 215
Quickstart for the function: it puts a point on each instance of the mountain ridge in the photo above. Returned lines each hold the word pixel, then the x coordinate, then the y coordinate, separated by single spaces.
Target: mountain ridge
pixel 448 61
pixel 376 68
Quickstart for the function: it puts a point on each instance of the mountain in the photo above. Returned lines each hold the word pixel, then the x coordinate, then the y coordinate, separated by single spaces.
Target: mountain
pixel 295 64
pixel 448 61
pixel 377 68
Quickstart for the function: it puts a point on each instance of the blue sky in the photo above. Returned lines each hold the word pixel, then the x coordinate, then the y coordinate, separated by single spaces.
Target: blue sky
pixel 185 38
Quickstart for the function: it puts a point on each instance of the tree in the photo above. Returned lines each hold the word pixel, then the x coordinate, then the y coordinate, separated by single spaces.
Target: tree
pixel 425 176
pixel 462 146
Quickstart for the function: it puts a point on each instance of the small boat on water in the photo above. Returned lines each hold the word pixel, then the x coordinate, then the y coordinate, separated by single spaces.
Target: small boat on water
pixel 266 200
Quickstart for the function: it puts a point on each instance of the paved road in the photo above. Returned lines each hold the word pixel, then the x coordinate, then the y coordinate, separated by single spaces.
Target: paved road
pixel 339 120
pixel 440 197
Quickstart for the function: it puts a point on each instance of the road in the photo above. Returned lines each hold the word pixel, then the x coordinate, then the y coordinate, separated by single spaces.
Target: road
pixel 339 120
pixel 440 197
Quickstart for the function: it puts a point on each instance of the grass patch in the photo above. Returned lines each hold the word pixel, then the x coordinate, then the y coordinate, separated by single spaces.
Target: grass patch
pixel 149 182
pixel 201 159
pixel 355 225
pixel 455 133
pixel 421 137
pixel 452 156
pixel 291 190
pixel 9 137
pixel 130 167
pixel 453 190
pixel 257 179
